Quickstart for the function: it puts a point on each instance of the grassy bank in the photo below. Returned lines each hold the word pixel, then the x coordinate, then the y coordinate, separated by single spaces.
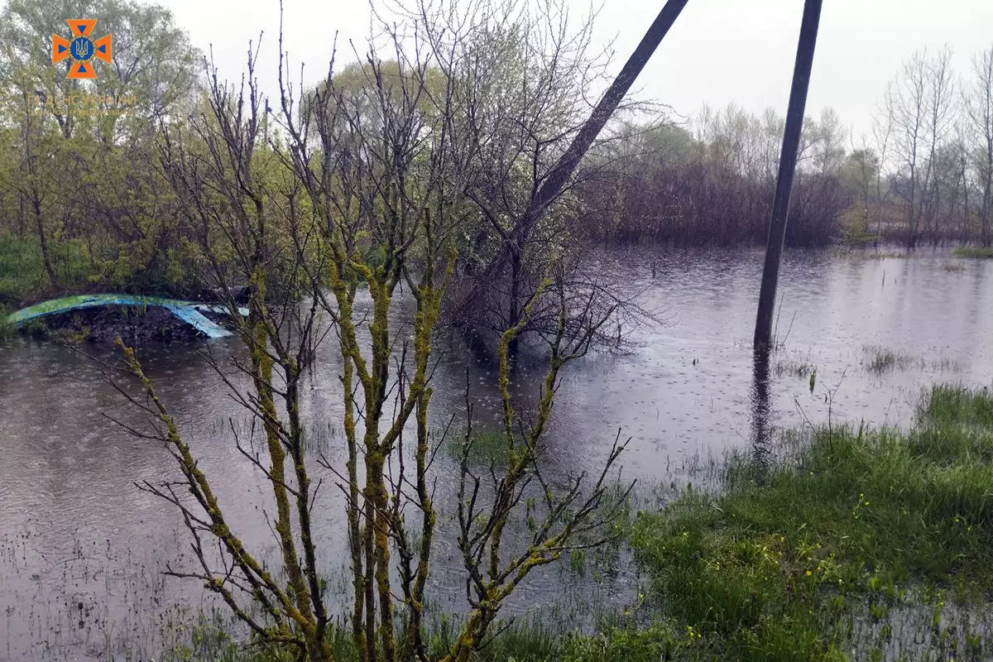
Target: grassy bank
pixel 860 546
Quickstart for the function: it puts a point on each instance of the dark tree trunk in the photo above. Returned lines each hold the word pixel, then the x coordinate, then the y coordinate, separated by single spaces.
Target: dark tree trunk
pixel 42 238
pixel 515 303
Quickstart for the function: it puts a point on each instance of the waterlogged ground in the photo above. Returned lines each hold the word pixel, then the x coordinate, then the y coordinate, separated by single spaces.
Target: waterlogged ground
pixel 82 549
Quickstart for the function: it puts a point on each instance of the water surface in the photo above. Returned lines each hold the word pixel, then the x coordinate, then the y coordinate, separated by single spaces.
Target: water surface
pixel 82 548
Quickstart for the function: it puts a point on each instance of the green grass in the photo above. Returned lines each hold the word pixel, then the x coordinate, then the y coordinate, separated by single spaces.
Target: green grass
pixel 828 553
pixel 527 641
pixel 973 252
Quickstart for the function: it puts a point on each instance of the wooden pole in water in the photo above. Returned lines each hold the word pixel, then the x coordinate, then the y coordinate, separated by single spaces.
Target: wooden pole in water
pixel 787 167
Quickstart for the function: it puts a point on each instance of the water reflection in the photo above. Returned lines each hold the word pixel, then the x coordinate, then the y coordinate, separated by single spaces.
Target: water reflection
pixel 760 405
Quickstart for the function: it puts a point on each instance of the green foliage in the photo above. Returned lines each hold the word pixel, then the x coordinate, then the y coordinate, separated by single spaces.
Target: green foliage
pixel 115 268
pixel 855 228
pixel 784 562
pixel 356 87
pixel 6 330
pixel 84 204
pixel 22 271
pixel 152 60
pixel 860 170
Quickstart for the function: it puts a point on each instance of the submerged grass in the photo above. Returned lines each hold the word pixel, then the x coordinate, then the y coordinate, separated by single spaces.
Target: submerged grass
pixel 871 254
pixel 795 368
pixel 829 554
pixel 880 360
pixel 973 252
pixel 483 447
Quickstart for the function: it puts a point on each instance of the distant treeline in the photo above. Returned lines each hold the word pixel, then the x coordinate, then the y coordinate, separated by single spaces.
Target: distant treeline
pixel 923 174
pixel 89 202
pixel 668 185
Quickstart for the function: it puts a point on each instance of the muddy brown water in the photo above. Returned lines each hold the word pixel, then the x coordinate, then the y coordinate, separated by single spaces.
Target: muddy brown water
pixel 82 550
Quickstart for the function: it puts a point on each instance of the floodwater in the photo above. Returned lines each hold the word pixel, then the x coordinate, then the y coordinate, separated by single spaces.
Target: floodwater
pixel 82 549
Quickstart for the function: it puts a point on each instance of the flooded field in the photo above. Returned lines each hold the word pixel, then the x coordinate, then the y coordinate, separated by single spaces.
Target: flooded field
pixel 82 549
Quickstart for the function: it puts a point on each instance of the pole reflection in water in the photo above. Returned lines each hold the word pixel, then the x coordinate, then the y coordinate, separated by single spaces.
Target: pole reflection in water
pixel 760 409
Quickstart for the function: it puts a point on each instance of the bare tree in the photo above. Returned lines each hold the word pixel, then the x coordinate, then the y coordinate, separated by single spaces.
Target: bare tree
pixel 532 122
pixel 526 70
pixel 227 179
pixel 830 138
pixel 483 518
pixel 357 186
pixel 883 124
pixel 979 110
pixel 920 101
pixel 940 115
pixel 905 101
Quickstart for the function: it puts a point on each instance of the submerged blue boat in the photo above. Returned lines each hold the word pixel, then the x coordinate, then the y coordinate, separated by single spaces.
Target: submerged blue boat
pixel 188 311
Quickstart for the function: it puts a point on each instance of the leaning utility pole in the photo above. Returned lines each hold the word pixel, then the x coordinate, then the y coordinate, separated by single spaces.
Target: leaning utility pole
pixel 559 175
pixel 787 166
pixel 566 165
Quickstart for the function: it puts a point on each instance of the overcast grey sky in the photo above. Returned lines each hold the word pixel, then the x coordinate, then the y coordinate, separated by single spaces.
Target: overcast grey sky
pixel 718 51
